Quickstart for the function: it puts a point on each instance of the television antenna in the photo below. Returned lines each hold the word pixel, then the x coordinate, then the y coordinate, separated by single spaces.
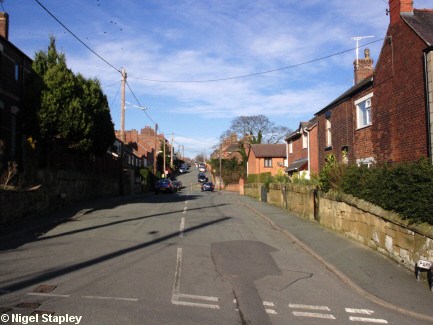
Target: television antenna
pixel 357 47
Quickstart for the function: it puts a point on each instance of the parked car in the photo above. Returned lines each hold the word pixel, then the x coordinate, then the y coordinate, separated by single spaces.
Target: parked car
pixel 182 170
pixel 164 185
pixel 201 168
pixel 207 186
pixel 177 184
pixel 202 177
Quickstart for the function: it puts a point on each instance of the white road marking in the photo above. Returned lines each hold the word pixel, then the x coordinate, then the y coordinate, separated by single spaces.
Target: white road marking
pixel 182 227
pixel 271 311
pixel 47 294
pixel 268 303
pixel 367 320
pixel 359 311
pixel 110 298
pixel 315 315
pixel 309 307
pixel 184 210
pixel 182 295
pixel 176 289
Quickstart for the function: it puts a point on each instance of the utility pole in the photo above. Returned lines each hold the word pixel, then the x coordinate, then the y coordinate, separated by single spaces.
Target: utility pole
pixel 171 150
pixel 123 106
pixel 163 159
pixel 154 152
pixel 221 151
pixel 183 152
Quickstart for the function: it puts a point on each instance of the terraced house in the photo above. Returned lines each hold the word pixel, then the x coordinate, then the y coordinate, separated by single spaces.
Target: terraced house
pixel 386 115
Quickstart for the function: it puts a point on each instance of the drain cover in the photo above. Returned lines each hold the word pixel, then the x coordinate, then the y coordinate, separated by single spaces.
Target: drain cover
pixel 28 305
pixel 41 312
pixel 45 289
pixel 4 310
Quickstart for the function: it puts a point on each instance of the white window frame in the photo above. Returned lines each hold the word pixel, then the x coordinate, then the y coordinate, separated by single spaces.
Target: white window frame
pixel 291 146
pixel 268 162
pixel 366 161
pixel 363 111
pixel 328 132
pixel 304 140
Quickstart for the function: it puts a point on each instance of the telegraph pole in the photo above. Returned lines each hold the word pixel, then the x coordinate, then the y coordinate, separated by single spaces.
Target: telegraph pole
pixel 154 152
pixel 163 159
pixel 171 150
pixel 221 151
pixel 123 106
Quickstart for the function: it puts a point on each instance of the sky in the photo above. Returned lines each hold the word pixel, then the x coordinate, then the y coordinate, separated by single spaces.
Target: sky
pixel 198 64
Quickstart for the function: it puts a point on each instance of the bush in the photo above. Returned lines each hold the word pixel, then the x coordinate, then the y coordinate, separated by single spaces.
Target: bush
pixel 331 175
pixel 406 188
pixel 258 178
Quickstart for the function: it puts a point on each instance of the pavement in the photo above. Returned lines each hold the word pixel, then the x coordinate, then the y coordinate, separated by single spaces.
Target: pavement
pixel 366 271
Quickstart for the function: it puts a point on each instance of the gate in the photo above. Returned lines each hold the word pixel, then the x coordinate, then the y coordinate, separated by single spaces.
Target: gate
pixel 263 194
pixel 316 204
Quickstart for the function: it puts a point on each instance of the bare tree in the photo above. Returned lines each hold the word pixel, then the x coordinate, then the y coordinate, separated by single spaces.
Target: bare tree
pixel 259 127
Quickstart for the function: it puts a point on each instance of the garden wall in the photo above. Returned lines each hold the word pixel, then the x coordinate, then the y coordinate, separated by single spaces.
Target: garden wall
pixel 376 228
pixel 58 188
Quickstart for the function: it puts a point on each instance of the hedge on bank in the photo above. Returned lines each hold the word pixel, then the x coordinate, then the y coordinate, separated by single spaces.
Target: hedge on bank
pixel 406 188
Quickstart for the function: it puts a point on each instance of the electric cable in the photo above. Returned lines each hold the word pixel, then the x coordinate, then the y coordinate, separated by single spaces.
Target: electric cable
pixel 78 38
pixel 257 73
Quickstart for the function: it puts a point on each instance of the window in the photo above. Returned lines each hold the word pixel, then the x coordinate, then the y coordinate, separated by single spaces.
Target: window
pixel 17 72
pixel 363 111
pixel 305 140
pixel 328 132
pixel 268 162
pixel 291 146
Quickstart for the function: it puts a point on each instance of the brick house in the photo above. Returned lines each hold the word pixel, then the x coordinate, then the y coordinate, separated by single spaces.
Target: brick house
pixel 394 125
pixel 266 157
pixel 15 70
pixel 341 128
pixel 402 102
pixel 302 154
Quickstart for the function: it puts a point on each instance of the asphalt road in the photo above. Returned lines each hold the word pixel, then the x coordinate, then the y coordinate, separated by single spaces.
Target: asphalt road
pixel 187 258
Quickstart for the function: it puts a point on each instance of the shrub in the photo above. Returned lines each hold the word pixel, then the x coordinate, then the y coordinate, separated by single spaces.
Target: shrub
pixel 331 175
pixel 406 188
pixel 258 178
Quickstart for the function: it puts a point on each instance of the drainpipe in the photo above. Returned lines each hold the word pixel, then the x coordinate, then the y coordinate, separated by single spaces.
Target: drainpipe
pixel 308 151
pixel 427 103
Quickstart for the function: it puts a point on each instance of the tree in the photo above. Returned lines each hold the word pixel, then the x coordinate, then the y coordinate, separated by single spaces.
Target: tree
pixel 259 127
pixel 69 108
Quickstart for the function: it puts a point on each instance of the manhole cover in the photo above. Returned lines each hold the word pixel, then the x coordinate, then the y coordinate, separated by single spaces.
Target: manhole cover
pixel 28 305
pixel 41 312
pixel 45 289
pixel 4 310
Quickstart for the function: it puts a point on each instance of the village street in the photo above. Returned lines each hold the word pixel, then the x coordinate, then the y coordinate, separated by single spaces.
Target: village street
pixel 186 258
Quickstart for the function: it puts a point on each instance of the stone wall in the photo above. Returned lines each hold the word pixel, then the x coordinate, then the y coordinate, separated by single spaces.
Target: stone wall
pixel 57 189
pixel 364 222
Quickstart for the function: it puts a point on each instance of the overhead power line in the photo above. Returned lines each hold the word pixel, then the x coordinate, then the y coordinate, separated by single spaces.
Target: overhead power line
pixel 78 38
pixel 257 73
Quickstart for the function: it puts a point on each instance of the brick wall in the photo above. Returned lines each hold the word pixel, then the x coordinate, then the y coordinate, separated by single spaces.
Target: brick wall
pixel 399 116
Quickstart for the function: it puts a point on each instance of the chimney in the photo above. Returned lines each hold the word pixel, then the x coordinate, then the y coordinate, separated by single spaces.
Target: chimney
pixel 397 7
pixel 4 25
pixel 363 67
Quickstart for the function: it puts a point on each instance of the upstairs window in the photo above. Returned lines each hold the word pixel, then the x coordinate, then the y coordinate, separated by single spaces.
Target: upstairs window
pixel 328 132
pixel 268 162
pixel 363 111
pixel 291 146
pixel 17 72
pixel 305 140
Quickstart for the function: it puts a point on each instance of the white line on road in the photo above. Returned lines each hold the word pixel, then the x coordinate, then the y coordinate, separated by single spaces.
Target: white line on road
pixel 184 210
pixel 176 289
pixel 309 307
pixel 359 311
pixel 368 320
pixel 110 298
pixel 47 294
pixel 268 303
pixel 182 295
pixel 271 311
pixel 315 315
pixel 182 227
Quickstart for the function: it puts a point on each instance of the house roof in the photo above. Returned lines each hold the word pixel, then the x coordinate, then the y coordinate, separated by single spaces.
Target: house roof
pixel 421 21
pixel 232 148
pixel 297 164
pixel 269 150
pixel 302 126
pixel 364 83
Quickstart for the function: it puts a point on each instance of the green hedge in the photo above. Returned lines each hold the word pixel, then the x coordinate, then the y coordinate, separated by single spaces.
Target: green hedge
pixel 258 178
pixel 406 188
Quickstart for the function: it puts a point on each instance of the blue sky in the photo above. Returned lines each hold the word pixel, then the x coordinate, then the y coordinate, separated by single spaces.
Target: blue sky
pixel 167 45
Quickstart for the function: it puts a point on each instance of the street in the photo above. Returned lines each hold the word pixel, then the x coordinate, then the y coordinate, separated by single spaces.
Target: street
pixel 186 258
